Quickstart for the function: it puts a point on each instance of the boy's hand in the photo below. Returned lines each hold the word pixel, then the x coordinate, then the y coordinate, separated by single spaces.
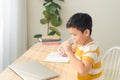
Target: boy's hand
pixel 67 46
pixel 61 51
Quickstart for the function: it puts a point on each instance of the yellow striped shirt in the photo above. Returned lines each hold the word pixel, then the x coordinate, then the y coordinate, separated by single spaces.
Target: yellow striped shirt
pixel 92 54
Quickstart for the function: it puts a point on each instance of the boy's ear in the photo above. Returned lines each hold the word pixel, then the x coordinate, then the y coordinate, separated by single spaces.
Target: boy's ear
pixel 87 32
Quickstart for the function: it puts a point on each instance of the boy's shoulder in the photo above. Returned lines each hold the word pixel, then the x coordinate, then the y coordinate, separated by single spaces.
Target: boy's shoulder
pixel 89 47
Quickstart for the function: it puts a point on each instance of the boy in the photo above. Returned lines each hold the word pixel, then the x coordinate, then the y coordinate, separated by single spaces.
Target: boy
pixel 86 59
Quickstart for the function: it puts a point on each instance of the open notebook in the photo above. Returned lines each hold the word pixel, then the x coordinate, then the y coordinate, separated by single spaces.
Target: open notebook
pixel 55 57
pixel 33 71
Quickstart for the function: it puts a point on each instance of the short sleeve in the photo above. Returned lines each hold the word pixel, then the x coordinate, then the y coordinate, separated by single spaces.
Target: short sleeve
pixel 91 57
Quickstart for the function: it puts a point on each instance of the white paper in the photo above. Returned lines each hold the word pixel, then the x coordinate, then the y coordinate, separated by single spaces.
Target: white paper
pixel 55 57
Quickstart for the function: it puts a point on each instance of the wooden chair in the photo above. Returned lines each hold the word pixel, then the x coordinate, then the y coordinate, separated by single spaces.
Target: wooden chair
pixel 111 64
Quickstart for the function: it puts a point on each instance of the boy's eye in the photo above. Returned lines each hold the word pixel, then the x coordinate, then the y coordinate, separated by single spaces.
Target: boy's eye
pixel 74 34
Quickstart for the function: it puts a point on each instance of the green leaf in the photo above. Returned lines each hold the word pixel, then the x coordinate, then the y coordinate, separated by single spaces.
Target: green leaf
pixel 55 30
pixel 56 13
pixel 56 5
pixel 46 14
pixel 45 3
pixel 52 33
pixel 48 0
pixel 38 36
pixel 51 9
pixel 43 21
pixel 56 21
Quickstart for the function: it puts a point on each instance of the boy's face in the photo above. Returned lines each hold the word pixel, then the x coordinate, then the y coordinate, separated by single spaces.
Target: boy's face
pixel 78 36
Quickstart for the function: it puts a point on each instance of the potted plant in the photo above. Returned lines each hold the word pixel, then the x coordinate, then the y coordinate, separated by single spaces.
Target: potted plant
pixel 51 18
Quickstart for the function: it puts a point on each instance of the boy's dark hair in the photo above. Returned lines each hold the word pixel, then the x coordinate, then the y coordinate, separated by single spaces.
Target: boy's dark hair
pixel 81 21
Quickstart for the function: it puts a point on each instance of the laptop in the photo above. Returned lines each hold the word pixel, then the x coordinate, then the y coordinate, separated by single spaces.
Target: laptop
pixel 33 71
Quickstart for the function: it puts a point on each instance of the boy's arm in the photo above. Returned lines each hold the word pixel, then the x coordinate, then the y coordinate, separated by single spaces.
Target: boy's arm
pixel 81 66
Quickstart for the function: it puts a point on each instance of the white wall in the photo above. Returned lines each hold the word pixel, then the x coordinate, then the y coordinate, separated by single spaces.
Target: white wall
pixel 105 14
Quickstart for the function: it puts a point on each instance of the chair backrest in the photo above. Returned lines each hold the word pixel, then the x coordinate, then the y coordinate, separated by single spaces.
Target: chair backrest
pixel 111 64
